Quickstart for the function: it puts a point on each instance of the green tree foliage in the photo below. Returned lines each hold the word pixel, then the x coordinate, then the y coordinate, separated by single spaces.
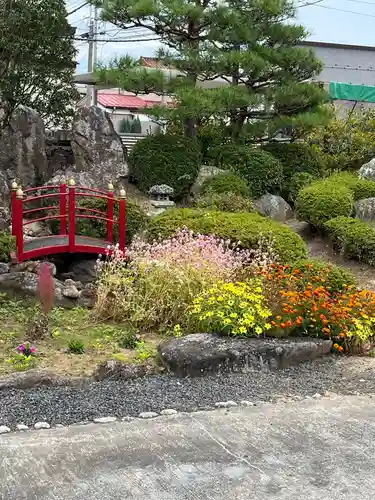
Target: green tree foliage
pixel 347 141
pixel 130 126
pixel 37 60
pixel 250 45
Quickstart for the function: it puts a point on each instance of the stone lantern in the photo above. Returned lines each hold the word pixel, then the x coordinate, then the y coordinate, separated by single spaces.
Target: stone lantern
pixel 160 198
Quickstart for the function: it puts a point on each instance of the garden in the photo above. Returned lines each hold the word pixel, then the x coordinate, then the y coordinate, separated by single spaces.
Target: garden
pixel 257 173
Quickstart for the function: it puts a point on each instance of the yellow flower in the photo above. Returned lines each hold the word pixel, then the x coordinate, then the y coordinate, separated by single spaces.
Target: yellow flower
pixel 258 330
pixel 227 321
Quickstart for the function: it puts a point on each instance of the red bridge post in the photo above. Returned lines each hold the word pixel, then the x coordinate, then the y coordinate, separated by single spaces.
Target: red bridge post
pixel 63 204
pixel 72 214
pixel 17 222
pixel 122 219
pixel 14 191
pixel 110 212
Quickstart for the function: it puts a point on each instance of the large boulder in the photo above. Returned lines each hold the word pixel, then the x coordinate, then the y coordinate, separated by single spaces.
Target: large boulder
pixel 97 148
pixel 365 209
pixel 205 172
pixel 274 206
pixel 196 354
pixel 22 152
pixel 367 171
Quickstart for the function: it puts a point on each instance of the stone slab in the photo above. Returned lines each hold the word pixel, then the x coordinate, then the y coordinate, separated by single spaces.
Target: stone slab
pixel 197 354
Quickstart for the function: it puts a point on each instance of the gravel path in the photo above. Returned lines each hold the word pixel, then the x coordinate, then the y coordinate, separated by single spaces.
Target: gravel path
pixel 67 405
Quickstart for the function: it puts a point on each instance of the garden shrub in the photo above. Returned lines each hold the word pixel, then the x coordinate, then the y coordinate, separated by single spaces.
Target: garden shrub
pixel 225 202
pixel 157 286
pixel 226 182
pixel 322 201
pixel 353 237
pixel 297 182
pixel 7 245
pixel 297 157
pixel 165 159
pixel 136 220
pixel 262 171
pixel 246 228
pixel 360 188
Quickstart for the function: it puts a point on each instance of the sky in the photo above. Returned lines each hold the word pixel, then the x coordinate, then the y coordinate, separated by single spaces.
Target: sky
pixel 339 21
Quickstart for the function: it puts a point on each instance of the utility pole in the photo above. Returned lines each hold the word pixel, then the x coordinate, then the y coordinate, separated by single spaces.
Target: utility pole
pixel 92 54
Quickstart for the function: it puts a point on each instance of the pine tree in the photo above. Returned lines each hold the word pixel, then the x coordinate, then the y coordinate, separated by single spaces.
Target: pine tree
pixel 37 60
pixel 251 47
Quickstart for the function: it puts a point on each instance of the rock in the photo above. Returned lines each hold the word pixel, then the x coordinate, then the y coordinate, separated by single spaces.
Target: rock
pixel 4 429
pixel 105 420
pixel 97 148
pixel 365 209
pixel 33 266
pixel 246 403
pixel 81 178
pixel 70 290
pixel 225 404
pixel 168 411
pixel 367 171
pixel 148 414
pixel 3 224
pixel 36 229
pixel 204 173
pixel 300 227
pixel 83 271
pixel 274 206
pixel 196 354
pixel 25 284
pixel 22 427
pixel 42 425
pixel 37 378
pixel 4 268
pixel 22 151
pixel 115 370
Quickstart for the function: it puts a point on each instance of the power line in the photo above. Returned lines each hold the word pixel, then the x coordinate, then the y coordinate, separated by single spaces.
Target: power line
pixel 337 9
pixel 78 8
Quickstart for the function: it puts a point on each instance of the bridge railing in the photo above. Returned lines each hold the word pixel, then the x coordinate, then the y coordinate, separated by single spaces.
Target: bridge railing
pixel 68 211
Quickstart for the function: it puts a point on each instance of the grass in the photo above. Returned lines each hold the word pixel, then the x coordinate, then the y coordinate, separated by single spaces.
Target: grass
pixel 101 341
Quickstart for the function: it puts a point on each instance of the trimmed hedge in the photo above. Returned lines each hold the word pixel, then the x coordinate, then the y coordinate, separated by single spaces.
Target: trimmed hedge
pixel 224 202
pixel 337 278
pixel 7 245
pixel 165 159
pixel 361 188
pixel 262 171
pixel 322 201
pixel 245 228
pixel 297 182
pixel 353 237
pixel 226 182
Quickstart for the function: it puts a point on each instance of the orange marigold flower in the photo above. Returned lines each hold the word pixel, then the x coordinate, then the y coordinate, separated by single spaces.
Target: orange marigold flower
pixel 336 346
pixel 278 318
pixel 282 325
pixel 340 348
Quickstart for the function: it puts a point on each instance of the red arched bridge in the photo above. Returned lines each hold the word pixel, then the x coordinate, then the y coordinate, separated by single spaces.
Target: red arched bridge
pixel 67 210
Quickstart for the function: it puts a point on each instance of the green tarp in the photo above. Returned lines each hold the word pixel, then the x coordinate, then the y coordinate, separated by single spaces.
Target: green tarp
pixel 348 92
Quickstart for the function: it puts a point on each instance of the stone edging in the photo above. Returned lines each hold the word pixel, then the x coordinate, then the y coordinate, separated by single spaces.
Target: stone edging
pixel 149 415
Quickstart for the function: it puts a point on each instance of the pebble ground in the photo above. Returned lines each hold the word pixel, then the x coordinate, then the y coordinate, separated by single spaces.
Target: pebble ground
pixel 68 405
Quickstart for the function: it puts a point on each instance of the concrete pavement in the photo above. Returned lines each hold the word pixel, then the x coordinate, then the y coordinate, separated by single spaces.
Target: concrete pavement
pixel 316 449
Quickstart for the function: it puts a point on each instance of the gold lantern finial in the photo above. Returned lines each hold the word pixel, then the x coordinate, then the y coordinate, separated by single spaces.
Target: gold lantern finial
pixel 71 182
pixel 122 193
pixel 110 186
pixel 19 193
pixel 14 185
